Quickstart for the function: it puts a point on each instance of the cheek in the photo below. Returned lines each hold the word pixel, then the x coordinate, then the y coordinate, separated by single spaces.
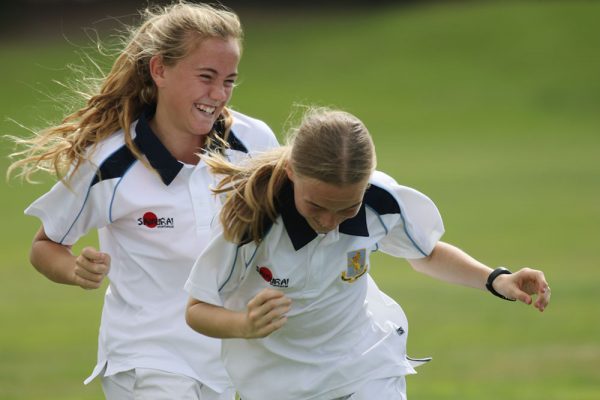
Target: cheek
pixel 228 93
pixel 345 216
pixel 305 212
pixel 340 220
pixel 352 214
pixel 180 93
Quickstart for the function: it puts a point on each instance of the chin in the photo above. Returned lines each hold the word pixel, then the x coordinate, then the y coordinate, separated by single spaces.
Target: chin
pixel 203 126
pixel 203 129
pixel 321 230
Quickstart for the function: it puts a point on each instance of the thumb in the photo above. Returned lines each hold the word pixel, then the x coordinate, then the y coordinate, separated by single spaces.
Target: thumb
pixel 94 255
pixel 522 296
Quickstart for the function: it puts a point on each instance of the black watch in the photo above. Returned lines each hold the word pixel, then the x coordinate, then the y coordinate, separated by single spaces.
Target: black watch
pixel 490 280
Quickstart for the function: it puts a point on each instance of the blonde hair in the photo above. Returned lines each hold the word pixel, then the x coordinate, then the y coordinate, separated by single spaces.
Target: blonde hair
pixel 330 146
pixel 170 32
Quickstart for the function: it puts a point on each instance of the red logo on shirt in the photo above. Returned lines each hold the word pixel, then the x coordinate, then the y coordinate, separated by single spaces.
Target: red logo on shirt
pixel 265 273
pixel 152 221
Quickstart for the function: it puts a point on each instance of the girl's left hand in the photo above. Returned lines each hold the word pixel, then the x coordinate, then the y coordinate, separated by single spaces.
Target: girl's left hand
pixel 522 284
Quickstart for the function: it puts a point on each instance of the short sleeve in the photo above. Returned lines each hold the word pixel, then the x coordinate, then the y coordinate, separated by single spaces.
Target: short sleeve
pixel 272 140
pixel 266 139
pixel 255 135
pixel 417 228
pixel 214 271
pixel 69 212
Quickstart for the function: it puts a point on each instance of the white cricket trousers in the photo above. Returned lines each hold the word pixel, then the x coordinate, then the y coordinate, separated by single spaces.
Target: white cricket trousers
pixel 152 384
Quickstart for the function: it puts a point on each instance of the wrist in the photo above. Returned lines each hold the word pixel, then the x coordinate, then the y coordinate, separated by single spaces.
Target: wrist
pixel 492 277
pixel 243 328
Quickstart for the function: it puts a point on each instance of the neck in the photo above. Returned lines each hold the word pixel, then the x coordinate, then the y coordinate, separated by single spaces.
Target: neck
pixel 184 148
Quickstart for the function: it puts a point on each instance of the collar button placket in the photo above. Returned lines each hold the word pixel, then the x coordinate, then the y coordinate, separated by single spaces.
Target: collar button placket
pixel 199 188
pixel 314 264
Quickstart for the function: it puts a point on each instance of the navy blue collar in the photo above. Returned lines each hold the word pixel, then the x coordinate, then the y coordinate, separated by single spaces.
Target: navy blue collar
pixel 157 154
pixel 298 228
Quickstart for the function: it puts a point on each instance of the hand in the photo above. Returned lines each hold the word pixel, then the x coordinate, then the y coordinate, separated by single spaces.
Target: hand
pixel 91 266
pixel 266 313
pixel 522 285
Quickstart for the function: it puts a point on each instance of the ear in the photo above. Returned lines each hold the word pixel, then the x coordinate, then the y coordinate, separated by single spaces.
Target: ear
pixel 289 172
pixel 157 70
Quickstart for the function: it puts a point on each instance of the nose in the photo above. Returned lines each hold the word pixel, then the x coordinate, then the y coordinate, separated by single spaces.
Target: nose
pixel 219 92
pixel 328 221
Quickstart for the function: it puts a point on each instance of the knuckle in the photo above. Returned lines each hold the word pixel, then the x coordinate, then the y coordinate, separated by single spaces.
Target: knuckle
pixel 80 271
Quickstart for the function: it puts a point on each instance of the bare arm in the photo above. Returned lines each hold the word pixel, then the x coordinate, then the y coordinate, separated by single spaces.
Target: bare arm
pixel 264 315
pixel 450 264
pixel 59 264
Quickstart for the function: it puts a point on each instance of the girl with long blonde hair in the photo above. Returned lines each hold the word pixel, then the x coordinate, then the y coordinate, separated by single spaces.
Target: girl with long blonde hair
pixel 130 164
pixel 287 280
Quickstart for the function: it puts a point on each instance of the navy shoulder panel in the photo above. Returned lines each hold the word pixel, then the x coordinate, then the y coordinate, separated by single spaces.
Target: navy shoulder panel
pixel 381 200
pixel 115 165
pixel 232 140
pixel 235 143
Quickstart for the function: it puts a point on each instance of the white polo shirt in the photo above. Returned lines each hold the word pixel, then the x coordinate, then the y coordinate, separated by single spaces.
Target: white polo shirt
pixel 341 330
pixel 154 226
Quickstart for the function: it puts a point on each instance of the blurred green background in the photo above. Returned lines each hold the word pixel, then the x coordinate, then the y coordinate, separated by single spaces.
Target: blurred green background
pixel 491 108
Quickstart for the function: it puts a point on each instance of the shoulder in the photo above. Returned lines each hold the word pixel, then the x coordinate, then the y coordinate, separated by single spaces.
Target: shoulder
pixel 386 196
pixel 245 123
pixel 108 158
pixel 103 150
pixel 254 134
pixel 381 194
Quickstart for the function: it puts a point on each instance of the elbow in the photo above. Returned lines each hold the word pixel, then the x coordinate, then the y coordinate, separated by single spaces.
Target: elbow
pixel 189 315
pixel 36 254
pixel 193 316
pixel 420 264
pixel 32 258
pixel 424 264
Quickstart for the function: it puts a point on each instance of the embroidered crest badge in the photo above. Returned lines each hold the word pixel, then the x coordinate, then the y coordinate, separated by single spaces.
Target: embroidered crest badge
pixel 356 265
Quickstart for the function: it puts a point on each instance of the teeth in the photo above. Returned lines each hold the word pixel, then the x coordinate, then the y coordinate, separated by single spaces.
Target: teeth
pixel 207 109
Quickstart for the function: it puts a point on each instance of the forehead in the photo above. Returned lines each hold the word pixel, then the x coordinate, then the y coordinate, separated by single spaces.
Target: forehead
pixel 207 51
pixel 326 195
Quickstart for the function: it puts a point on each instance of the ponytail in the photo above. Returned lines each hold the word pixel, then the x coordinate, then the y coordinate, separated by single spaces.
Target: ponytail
pixel 251 189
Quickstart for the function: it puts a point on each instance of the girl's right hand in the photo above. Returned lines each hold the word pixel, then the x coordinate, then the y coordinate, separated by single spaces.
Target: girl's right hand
pixel 266 313
pixel 91 266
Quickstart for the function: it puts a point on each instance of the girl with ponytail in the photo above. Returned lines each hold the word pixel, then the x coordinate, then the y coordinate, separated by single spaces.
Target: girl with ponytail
pixel 287 280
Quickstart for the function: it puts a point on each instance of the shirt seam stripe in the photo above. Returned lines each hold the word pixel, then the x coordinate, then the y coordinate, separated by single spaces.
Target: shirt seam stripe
pixel 112 199
pixel 87 195
pixel 237 249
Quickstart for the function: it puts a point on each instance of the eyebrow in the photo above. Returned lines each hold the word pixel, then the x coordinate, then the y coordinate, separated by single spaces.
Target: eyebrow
pixel 214 71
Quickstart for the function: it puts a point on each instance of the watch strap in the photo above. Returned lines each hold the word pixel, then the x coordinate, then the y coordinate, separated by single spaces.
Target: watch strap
pixel 490 280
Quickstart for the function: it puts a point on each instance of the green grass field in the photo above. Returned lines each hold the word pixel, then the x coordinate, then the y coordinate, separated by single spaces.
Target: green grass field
pixel 491 108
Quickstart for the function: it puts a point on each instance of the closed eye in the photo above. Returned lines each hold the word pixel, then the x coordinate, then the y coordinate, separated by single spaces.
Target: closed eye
pixel 352 210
